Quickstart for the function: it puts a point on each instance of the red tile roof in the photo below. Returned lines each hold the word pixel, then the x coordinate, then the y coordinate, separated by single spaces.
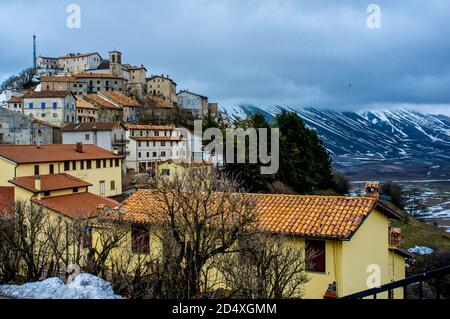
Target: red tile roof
pixel 91 126
pixel 82 104
pixel 15 99
pixel 71 79
pixel 120 98
pixel 23 154
pixel 50 182
pixel 6 200
pixel 97 99
pixel 45 94
pixel 326 217
pixel 80 205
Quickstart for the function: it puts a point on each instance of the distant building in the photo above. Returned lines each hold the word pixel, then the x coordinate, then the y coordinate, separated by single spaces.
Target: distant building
pixel 64 83
pixel 193 102
pixel 129 105
pixel 136 85
pixel 47 66
pixel 110 136
pixel 55 107
pixel 163 87
pixel 16 128
pixel 86 112
pixel 78 63
pixel 150 144
pixel 98 82
pixel 15 104
pixel 107 111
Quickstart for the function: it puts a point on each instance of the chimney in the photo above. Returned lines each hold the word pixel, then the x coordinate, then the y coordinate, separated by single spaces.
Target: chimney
pixel 373 190
pixel 37 183
pixel 79 147
pixel 394 236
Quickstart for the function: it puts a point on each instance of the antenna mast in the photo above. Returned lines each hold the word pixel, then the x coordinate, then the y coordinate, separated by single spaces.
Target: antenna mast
pixel 34 51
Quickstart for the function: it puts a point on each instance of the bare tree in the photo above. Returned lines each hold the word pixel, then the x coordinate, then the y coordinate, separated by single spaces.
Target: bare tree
pixel 265 267
pixel 203 215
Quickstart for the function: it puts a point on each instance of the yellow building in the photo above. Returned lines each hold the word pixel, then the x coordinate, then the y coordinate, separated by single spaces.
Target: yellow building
pixel 162 86
pixel 350 237
pixel 100 168
pixel 172 168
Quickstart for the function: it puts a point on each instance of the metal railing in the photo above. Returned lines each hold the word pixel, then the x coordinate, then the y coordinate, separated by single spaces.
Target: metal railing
pixel 404 283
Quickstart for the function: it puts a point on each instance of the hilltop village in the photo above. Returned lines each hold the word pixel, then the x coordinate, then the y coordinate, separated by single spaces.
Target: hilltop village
pixel 89 136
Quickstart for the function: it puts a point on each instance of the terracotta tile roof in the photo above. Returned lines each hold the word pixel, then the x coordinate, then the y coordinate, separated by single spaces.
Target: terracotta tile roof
pixel 90 126
pixel 6 200
pixel 77 55
pixel 45 94
pixel 50 182
pixel 326 217
pixel 79 205
pixel 71 79
pixel 46 153
pixel 101 101
pixel 140 127
pixel 91 75
pixel 157 138
pixel 42 122
pixel 15 99
pixel 82 104
pixel 159 103
pixel 121 99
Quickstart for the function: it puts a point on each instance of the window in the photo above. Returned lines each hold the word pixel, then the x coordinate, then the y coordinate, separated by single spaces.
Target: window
pixel 113 185
pixel 163 143
pixel 47 194
pixel 87 137
pixel 66 166
pixel 82 165
pixel 43 105
pixel 117 163
pixel 102 188
pixel 165 172
pixel 51 169
pixel 140 240
pixel 36 169
pixel 148 154
pixel 75 189
pixel 67 119
pixel 163 154
pixel 74 165
pixel 55 105
pixel 98 164
pixel 139 154
pixel 89 164
pixel 104 163
pixel 111 163
pixel 154 154
pixel 30 105
pixel 315 255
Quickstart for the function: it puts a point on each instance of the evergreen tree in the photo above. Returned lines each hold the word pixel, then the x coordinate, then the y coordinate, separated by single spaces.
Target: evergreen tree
pixel 305 164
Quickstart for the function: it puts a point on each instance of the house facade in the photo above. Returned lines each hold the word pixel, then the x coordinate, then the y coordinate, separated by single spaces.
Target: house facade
pixel 100 168
pixel 129 105
pixel 344 239
pixel 151 144
pixel 107 111
pixel 98 82
pixel 86 112
pixel 162 86
pixel 110 136
pixel 15 104
pixel 63 83
pixel 77 63
pixel 55 107
pixel 193 102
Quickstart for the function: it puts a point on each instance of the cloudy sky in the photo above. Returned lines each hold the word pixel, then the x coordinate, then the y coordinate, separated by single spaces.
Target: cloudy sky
pixel 279 52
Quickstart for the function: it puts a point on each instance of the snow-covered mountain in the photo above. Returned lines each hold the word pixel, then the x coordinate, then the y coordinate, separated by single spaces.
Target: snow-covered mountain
pixel 397 138
pixel 375 134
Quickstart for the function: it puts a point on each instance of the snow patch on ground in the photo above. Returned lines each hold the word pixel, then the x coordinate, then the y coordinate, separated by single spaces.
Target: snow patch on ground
pixel 84 286
pixel 421 250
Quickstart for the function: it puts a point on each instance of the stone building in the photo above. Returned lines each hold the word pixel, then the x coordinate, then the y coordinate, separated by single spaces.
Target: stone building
pixel 107 111
pixel 193 102
pixel 15 104
pixel 129 105
pixel 86 112
pixel 64 83
pixel 98 82
pixel 55 107
pixel 163 87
